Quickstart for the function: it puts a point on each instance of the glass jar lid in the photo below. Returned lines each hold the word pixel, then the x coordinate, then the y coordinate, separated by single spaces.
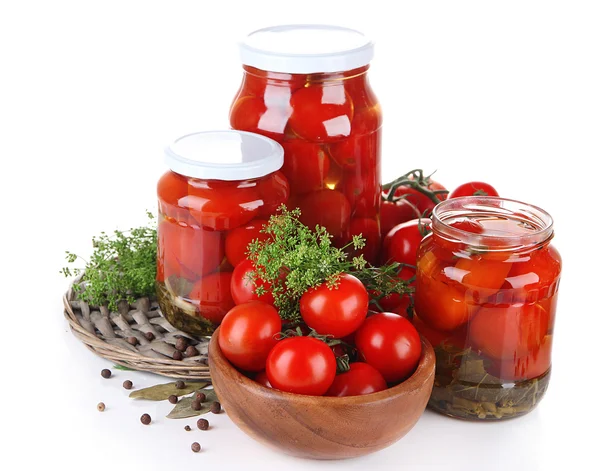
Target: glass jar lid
pixel 224 155
pixel 305 49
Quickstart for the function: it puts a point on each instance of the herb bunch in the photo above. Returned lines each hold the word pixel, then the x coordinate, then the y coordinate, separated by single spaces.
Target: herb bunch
pixel 295 258
pixel 122 266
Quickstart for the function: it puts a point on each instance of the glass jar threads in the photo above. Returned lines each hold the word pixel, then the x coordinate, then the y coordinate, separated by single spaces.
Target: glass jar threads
pixel 306 87
pixel 221 189
pixel 486 291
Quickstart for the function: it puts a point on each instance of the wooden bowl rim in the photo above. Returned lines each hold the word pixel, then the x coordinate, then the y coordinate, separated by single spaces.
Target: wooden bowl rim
pixel 425 369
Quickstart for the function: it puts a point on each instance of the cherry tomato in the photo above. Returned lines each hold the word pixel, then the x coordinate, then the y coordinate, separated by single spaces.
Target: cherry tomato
pixel 274 191
pixel 357 150
pixel 248 333
pixel 482 277
pixel 422 202
pixel 327 208
pixel 362 192
pixel 396 302
pixel 391 344
pixel 187 252
pixel 256 81
pixel 361 379
pixel 512 331
pixel 369 230
pixel 305 165
pixel 532 365
pixel 212 296
pixel 402 242
pixel 337 311
pixel 393 214
pixel 222 205
pixel 237 240
pixel 301 365
pixel 243 289
pixel 250 113
pixel 170 189
pixel 473 189
pixel 262 379
pixel 321 113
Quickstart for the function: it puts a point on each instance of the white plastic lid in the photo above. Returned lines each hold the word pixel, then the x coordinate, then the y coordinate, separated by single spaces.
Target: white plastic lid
pixel 305 49
pixel 224 155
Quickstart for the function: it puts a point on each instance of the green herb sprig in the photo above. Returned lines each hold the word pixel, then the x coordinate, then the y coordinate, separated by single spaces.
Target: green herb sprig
pixel 122 266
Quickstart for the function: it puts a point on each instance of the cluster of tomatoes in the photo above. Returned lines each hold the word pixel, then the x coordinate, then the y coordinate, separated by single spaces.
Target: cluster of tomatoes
pixel 329 127
pixel 386 346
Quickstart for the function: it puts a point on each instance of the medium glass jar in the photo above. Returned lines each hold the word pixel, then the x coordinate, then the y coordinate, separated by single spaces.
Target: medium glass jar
pixel 220 190
pixel 306 87
pixel 486 292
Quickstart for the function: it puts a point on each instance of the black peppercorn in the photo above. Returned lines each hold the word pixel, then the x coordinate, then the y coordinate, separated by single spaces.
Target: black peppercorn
pixel 132 340
pixel 173 399
pixel 179 384
pixel 201 396
pixel 127 384
pixel 191 352
pixel 181 344
pixel 196 404
pixel 215 408
pixel 195 447
pixel 101 406
pixel 177 355
pixel 146 419
pixel 106 373
pixel 202 424
pixel 149 336
pixel 187 428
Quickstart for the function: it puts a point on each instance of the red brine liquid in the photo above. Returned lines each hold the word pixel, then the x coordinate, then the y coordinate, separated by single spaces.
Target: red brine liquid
pixel 486 289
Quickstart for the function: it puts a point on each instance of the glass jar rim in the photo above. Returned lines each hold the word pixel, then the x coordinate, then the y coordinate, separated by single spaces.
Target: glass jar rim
pixel 224 155
pixel 306 49
pixel 470 206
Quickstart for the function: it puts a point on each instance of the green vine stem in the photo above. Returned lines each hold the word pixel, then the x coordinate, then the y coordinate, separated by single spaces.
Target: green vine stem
pixel 414 179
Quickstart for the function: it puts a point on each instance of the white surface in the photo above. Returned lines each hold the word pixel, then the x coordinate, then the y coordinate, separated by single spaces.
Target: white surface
pixel 91 93
pixel 305 49
pixel 224 155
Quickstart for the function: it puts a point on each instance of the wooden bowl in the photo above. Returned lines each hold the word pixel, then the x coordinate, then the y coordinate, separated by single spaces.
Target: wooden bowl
pixel 322 427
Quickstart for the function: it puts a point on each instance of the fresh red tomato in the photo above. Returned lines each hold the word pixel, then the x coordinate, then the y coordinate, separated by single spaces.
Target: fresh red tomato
pixel 237 240
pixel 395 302
pixel 222 205
pixel 393 214
pixel 473 189
pixel 422 202
pixel 212 296
pixel 511 331
pixel 327 208
pixel 390 344
pixel 248 333
pixel 262 379
pixel 369 230
pixel 532 365
pixel 170 189
pixel 321 113
pixel 187 252
pixel 250 113
pixel 243 289
pixel 306 165
pixel 361 379
pixel 337 311
pixel 301 365
pixel 402 242
pixel 274 191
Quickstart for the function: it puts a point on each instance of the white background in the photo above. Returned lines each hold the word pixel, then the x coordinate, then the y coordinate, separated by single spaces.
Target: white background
pixel 91 92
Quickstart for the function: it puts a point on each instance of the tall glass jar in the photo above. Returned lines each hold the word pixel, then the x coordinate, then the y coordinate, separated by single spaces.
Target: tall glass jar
pixel 221 189
pixel 306 87
pixel 486 291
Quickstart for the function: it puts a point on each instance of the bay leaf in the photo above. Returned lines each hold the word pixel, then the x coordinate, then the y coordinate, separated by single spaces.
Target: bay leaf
pixel 161 392
pixel 183 409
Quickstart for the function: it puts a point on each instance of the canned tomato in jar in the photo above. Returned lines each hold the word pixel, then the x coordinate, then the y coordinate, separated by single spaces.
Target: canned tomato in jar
pixel 306 86
pixel 486 292
pixel 221 189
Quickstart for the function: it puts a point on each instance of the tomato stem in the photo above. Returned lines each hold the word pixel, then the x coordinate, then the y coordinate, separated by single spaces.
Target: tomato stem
pixel 413 179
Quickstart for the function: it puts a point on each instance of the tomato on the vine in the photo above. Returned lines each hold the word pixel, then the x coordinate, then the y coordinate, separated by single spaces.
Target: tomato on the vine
pixel 243 288
pixel 391 344
pixel 420 200
pixel 473 189
pixel 321 113
pixel 402 242
pixel 361 379
pixel 392 214
pixel 306 165
pixel 248 333
pixel 336 311
pixel 237 240
pixel 212 295
pixel 301 365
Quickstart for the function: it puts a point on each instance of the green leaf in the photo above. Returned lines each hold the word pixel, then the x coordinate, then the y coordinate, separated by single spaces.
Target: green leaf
pixel 183 409
pixel 122 368
pixel 160 392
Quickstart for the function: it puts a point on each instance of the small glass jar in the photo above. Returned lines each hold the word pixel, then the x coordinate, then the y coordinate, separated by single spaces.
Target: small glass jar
pixel 306 87
pixel 485 297
pixel 221 189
